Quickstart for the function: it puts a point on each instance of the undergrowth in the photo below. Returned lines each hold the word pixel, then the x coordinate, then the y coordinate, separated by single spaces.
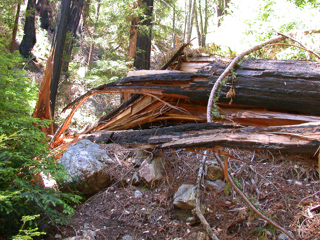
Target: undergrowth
pixel 24 157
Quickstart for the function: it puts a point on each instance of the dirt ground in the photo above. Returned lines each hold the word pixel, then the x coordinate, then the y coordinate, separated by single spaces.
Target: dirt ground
pixel 282 186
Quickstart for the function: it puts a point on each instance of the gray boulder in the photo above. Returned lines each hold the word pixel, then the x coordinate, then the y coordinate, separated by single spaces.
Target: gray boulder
pixel 86 164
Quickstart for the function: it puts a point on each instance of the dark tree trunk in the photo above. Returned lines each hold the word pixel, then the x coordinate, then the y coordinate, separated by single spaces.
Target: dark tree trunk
pixel 15 29
pixel 142 56
pixel 58 46
pixel 29 36
pixel 73 23
pixel 296 138
pixel 43 7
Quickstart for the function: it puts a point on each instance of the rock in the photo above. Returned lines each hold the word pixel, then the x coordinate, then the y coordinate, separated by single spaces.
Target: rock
pixel 89 235
pixel 216 186
pixel 86 164
pixel 135 180
pixel 185 198
pixel 283 236
pixel 213 172
pixel 127 237
pixel 151 172
pixel 141 155
pixel 192 220
pixel 197 236
pixel 138 194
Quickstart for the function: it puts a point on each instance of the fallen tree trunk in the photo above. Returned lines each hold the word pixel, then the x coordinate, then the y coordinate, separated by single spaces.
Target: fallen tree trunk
pixel 302 138
pixel 277 92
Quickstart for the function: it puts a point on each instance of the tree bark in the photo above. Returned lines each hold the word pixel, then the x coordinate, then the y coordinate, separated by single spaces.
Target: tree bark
pixel 142 56
pixel 267 93
pixel 73 23
pixel 290 86
pixel 29 36
pixel 91 50
pixel 297 138
pixel 15 29
pixel 58 46
pixel 196 8
pixel 190 18
pixel 43 7
pixel 134 34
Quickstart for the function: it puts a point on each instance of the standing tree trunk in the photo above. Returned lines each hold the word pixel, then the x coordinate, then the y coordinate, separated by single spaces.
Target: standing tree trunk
pixel 201 21
pixel 91 50
pixel 190 16
pixel 43 7
pixel 206 18
pixel 174 26
pixel 221 7
pixel 15 29
pixel 134 34
pixel 142 56
pixel 196 8
pixel 29 36
pixel 73 23
pixel 58 46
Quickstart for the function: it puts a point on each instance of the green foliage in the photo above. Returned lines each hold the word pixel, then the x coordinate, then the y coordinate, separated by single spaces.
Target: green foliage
pixel 24 156
pixel 7 17
pixel 106 71
pixel 26 233
pixel 251 22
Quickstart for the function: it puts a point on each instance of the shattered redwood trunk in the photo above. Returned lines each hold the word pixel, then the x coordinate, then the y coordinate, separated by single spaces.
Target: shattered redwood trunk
pixel 265 93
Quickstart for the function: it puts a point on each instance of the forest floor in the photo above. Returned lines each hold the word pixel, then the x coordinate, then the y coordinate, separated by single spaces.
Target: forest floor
pixel 282 186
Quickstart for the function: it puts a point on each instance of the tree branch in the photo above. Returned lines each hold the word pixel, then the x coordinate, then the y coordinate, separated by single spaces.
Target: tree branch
pixel 249 203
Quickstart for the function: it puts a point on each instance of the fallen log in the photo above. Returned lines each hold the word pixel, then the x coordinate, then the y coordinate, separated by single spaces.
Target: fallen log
pixel 278 92
pixel 303 138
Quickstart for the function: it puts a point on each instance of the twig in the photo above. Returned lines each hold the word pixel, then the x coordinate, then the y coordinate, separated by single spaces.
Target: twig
pixel 308 197
pixel 293 45
pixel 302 46
pixel 75 231
pixel 250 204
pixel 198 193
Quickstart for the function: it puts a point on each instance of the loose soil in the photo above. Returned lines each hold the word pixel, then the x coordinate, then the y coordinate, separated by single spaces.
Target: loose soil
pixel 282 186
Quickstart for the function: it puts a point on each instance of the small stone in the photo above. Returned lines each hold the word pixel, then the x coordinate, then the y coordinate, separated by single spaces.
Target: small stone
pixel 192 220
pixel 283 236
pixel 197 236
pixel 298 183
pixel 127 237
pixel 151 172
pixel 185 198
pixel 135 180
pixel 216 186
pixel 141 155
pixel 138 194
pixel 213 172
pixel 290 181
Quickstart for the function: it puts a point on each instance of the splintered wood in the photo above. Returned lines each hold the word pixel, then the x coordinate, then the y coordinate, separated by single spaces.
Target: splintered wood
pixel 266 94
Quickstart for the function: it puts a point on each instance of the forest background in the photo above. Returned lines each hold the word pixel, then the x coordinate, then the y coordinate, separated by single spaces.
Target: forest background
pixel 98 49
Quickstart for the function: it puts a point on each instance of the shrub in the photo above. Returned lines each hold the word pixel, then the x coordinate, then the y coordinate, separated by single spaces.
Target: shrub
pixel 24 154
